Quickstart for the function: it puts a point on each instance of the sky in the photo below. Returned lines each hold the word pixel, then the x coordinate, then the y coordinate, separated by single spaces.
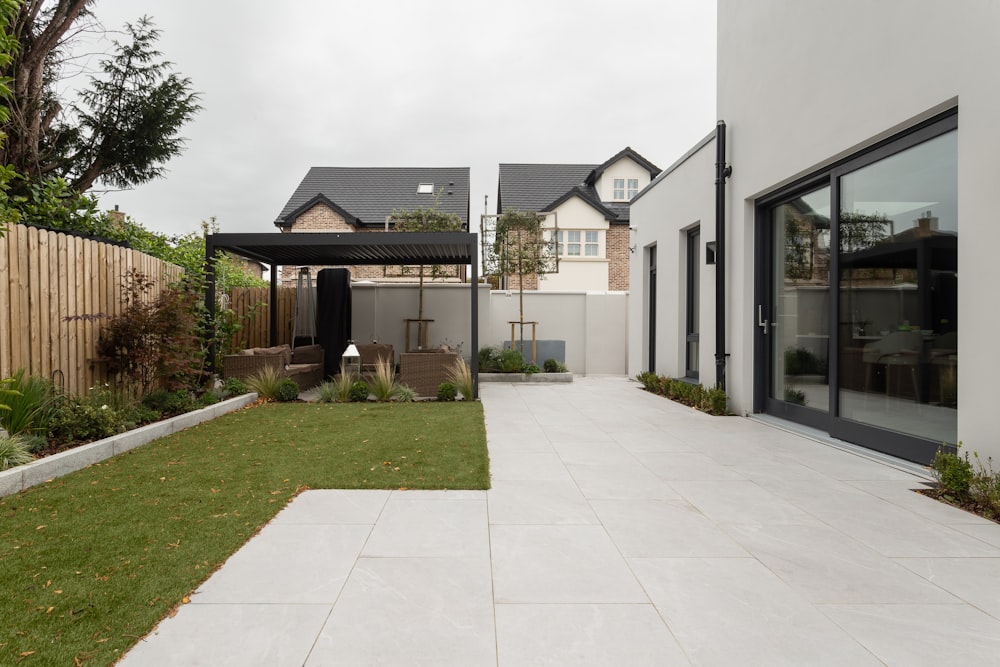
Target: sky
pixel 396 83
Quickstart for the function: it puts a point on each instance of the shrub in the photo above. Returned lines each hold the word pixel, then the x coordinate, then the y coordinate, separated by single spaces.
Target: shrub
pixel 328 392
pixel 82 420
pixel 649 380
pixel 952 472
pixel 383 383
pixel 358 392
pixel 405 394
pixel 208 398
pixel 510 361
pixel 13 451
pixel 170 403
pixel 447 391
pixel 531 369
pixel 34 443
pixel 153 340
pixel 984 488
pixel 554 366
pixel 234 387
pixel 489 359
pixel 460 375
pixel 30 401
pixel 716 402
pixel 288 390
pixel 265 382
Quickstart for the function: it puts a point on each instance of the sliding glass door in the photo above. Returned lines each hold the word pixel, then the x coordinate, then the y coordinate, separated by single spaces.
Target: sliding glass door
pixel 857 314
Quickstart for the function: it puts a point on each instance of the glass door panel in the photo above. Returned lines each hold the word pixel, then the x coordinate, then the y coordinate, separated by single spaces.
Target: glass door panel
pixel 800 301
pixel 898 230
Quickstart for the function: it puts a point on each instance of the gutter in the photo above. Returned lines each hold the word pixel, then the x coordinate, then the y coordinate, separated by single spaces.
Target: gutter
pixel 722 172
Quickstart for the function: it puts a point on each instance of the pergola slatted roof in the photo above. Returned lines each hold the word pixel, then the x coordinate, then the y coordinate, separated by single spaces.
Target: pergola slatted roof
pixel 340 249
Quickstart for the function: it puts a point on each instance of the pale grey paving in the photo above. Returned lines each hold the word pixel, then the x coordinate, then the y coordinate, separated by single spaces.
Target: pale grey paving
pixel 621 529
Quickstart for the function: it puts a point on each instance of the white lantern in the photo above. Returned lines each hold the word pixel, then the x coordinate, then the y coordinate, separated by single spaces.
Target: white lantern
pixel 351 359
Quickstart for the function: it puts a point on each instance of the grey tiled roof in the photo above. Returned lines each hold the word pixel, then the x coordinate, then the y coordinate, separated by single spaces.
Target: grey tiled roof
pixel 369 194
pixel 532 187
pixel 625 152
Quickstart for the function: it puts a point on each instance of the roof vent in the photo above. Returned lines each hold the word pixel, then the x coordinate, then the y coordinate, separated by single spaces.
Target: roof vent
pixel 425 189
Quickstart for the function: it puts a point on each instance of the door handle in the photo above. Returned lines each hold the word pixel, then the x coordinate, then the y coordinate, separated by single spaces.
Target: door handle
pixel 761 322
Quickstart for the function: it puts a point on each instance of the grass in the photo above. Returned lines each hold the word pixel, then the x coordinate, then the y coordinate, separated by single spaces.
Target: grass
pixel 90 562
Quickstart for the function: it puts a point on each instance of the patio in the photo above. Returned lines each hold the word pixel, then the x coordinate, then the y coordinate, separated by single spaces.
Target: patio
pixel 621 528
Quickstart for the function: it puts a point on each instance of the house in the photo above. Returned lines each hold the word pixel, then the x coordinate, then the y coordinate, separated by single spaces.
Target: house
pixel 587 207
pixel 362 200
pixel 816 278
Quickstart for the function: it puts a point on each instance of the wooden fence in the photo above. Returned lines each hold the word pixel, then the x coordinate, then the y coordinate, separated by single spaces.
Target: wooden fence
pixel 49 278
pixel 250 305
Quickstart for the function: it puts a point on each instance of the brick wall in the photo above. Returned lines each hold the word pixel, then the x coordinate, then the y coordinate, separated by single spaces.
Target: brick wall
pixel 618 254
pixel 321 218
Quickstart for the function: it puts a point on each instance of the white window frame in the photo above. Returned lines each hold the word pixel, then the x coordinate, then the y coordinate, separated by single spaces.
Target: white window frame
pixel 618 191
pixel 585 242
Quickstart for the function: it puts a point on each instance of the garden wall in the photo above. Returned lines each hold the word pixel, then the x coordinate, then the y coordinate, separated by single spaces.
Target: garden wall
pixel 46 279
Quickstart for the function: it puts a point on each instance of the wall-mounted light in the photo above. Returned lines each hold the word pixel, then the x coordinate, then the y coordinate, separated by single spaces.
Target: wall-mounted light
pixel 710 252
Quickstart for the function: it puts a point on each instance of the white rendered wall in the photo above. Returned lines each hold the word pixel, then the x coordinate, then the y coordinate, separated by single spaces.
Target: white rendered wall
pixel 578 273
pixel 624 168
pixel 592 324
pixel 684 198
pixel 802 84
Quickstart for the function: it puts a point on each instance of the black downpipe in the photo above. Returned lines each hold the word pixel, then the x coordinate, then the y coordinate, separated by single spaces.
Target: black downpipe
pixel 722 172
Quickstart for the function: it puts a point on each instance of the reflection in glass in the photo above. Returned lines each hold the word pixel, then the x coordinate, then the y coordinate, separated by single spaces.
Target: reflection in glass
pixel 898 245
pixel 800 342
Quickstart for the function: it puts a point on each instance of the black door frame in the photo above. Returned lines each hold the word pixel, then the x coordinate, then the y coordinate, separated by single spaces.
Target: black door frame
pixel 651 308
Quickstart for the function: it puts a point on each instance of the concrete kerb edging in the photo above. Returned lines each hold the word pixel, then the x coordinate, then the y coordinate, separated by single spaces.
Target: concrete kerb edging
pixel 22 477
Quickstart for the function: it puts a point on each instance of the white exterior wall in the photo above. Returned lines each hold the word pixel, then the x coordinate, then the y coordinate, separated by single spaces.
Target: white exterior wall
pixel 578 273
pixel 683 199
pixel 802 84
pixel 624 168
pixel 592 324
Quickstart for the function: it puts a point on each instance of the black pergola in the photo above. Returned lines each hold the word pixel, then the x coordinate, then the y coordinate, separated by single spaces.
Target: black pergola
pixel 348 249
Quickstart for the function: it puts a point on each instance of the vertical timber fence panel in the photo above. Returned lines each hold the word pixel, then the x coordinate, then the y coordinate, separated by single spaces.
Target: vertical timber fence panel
pixel 48 281
pixel 250 306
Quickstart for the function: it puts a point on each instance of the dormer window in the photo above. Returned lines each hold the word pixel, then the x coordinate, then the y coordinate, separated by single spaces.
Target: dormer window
pixel 623 193
pixel 425 189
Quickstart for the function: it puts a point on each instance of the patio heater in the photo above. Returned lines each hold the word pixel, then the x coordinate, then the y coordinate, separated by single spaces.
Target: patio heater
pixel 351 359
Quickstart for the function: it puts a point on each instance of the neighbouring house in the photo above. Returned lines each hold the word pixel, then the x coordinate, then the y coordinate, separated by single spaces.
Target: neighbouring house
pixel 587 208
pixel 362 200
pixel 818 280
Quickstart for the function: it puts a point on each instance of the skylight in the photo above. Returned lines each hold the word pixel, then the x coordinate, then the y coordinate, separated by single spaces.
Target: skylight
pixel 425 189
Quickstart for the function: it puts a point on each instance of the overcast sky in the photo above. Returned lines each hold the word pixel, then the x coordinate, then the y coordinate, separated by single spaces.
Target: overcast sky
pixel 397 83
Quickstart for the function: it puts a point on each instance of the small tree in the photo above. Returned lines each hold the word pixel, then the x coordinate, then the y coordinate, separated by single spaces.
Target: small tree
pixel 425 220
pixel 519 247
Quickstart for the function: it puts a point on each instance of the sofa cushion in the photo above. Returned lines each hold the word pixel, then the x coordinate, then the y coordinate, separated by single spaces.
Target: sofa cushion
pixel 308 354
pixel 283 350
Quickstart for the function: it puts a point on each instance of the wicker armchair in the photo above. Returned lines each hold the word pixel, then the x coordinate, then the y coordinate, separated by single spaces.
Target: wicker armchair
pixel 423 371
pixel 371 353
pixel 304 364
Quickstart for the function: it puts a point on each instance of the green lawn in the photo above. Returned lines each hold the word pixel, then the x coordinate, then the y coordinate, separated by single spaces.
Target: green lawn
pixel 91 561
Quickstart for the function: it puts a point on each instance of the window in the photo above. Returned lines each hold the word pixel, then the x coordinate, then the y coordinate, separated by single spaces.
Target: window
pixel 621 193
pixel 577 243
pixel 425 189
